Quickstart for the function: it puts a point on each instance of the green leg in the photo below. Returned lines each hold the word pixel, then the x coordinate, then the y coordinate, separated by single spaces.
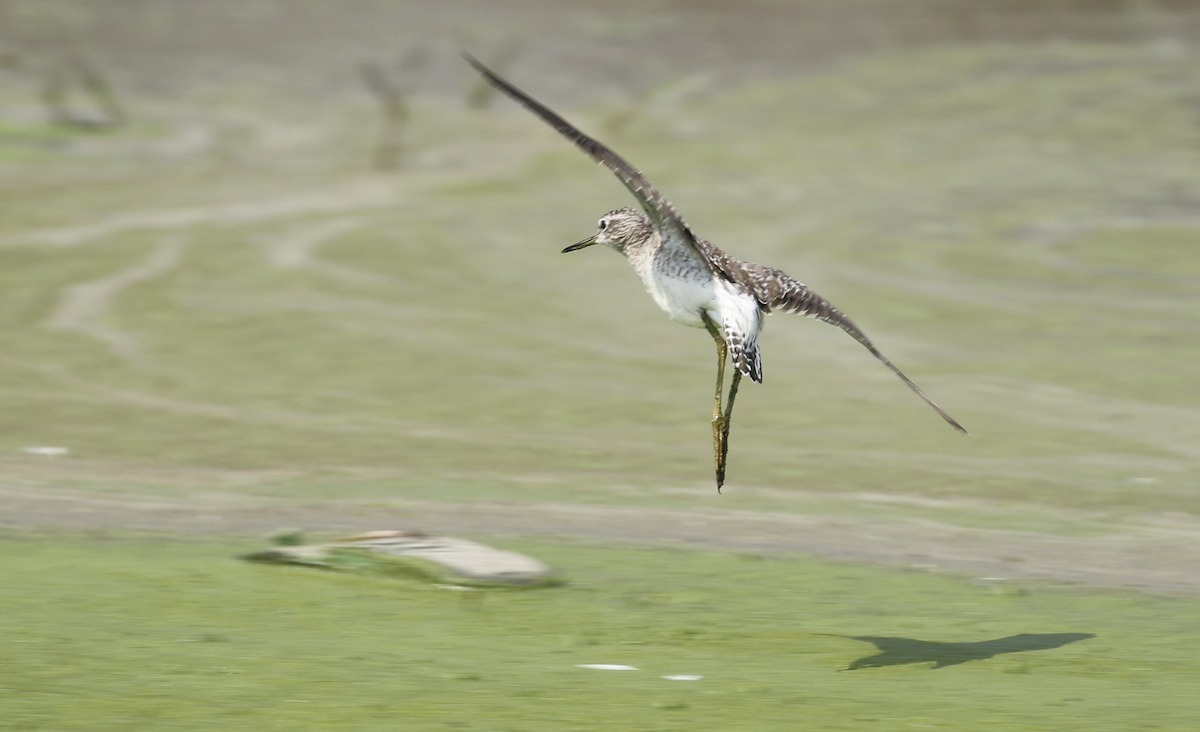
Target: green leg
pixel 720 420
pixel 733 389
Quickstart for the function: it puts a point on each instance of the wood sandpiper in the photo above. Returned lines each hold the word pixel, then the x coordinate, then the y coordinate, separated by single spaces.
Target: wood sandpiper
pixel 693 281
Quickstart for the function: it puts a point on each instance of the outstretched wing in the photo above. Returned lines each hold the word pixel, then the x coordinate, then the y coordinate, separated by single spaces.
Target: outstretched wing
pixel 776 290
pixel 671 226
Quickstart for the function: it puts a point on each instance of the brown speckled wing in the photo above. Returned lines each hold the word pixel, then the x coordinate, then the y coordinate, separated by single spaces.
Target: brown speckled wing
pixel 671 226
pixel 776 290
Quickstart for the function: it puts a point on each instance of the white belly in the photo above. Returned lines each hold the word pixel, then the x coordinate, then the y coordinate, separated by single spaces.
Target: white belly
pixel 687 292
pixel 682 298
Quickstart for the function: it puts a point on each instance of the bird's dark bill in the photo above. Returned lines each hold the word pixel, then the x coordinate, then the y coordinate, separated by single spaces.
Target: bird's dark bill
pixel 585 243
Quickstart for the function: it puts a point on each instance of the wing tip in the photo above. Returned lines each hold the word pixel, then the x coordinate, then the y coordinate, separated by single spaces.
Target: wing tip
pixel 954 423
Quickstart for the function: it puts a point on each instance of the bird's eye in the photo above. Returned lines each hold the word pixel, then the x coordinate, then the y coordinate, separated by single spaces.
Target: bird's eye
pixel 603 224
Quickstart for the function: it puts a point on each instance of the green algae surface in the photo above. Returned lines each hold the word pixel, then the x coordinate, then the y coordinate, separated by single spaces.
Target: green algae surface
pixel 117 633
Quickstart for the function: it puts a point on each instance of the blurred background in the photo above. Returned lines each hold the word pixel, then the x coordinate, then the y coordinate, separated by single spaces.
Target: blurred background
pixel 298 248
pixel 269 263
pixel 302 241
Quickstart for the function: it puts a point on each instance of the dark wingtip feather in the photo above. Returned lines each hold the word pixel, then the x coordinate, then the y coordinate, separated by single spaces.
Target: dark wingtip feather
pixel 799 299
pixel 870 347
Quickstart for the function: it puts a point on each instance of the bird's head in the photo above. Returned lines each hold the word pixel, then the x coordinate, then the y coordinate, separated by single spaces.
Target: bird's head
pixel 623 229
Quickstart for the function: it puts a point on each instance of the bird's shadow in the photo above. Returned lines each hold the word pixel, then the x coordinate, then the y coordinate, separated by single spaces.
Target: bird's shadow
pixel 895 651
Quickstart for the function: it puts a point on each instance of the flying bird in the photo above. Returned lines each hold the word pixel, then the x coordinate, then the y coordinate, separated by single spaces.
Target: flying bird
pixel 695 282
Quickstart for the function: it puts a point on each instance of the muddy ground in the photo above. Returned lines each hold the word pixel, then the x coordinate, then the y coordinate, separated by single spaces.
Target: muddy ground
pixel 1157 553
